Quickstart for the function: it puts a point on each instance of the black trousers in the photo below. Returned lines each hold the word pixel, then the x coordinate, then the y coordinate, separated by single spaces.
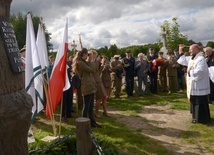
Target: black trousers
pixel 67 105
pixel 88 107
pixel 153 82
pixel 199 108
pixel 129 85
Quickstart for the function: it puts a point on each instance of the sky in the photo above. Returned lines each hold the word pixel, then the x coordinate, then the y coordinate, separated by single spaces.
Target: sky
pixel 122 22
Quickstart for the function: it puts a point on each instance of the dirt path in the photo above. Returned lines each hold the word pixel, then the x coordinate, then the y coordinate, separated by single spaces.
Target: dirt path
pixel 165 125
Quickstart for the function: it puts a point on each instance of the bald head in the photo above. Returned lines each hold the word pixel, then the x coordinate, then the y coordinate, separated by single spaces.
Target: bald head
pixel 194 49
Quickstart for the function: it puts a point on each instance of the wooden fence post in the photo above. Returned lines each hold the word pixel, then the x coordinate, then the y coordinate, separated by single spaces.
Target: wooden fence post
pixel 84 143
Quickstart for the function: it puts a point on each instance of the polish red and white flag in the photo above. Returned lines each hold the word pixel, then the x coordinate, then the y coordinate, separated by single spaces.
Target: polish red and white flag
pixel 59 79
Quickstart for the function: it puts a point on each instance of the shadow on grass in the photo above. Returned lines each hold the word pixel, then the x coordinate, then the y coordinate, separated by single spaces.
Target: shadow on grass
pixel 136 103
pixel 145 139
pixel 45 125
pixel 117 133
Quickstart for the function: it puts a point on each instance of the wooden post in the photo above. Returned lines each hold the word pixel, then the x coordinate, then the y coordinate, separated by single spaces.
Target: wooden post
pixel 84 143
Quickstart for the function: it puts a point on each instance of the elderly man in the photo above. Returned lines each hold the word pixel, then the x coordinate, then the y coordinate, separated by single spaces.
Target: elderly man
pixel 210 62
pixel 198 86
pixel 141 67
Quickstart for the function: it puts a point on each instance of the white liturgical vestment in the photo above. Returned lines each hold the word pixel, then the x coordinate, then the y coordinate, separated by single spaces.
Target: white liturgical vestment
pixel 198 78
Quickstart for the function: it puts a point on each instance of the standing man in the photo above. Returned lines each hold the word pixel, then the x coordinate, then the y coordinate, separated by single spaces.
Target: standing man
pixel 180 71
pixel 116 76
pixel 141 67
pixel 210 62
pixel 162 73
pixel 67 105
pixel 153 71
pixel 129 65
pixel 198 86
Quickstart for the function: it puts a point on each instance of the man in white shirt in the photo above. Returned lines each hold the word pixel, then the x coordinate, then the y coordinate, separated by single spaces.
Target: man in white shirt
pixel 198 86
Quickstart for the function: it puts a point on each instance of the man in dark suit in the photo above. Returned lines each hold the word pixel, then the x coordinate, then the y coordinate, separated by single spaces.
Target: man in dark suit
pixel 129 65
pixel 209 55
pixel 152 71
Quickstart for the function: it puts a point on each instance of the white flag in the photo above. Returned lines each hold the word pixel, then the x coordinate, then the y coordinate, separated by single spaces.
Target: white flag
pixel 42 48
pixel 33 77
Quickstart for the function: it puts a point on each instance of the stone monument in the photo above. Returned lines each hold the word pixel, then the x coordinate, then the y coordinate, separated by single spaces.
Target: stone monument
pixel 164 49
pixel 15 103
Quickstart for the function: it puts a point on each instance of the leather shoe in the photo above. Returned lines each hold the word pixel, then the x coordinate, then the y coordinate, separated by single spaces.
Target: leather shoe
pixel 95 125
pixel 97 115
pixel 105 114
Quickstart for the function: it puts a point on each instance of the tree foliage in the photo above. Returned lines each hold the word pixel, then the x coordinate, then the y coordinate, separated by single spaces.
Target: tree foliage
pixel 210 44
pixel 19 23
pixel 135 50
pixel 173 35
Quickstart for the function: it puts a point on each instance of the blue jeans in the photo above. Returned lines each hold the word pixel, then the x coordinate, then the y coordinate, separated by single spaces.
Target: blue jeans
pixel 180 81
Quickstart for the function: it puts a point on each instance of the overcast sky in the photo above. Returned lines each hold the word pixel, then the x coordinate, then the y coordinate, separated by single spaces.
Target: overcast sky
pixel 121 22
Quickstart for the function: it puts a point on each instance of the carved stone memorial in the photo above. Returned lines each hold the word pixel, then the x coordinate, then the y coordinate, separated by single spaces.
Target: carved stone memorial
pixel 164 49
pixel 15 103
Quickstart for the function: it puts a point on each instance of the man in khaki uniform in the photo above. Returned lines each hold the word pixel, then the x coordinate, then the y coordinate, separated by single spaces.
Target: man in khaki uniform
pixel 171 73
pixel 116 75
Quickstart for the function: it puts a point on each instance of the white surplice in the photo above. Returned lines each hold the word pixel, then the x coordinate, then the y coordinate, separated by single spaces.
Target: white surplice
pixel 198 81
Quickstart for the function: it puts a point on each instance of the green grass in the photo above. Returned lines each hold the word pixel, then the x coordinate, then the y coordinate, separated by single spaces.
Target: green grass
pixel 202 134
pixel 116 139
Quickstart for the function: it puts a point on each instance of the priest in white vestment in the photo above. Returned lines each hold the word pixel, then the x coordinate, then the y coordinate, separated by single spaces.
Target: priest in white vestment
pixel 198 86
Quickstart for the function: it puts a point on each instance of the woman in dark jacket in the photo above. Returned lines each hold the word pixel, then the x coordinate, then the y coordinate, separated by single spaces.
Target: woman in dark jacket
pixel 88 86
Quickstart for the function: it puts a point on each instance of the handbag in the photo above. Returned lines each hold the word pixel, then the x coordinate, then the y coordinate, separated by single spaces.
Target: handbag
pixel 76 81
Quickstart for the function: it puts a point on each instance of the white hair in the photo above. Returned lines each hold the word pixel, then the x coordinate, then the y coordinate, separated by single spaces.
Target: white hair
pixel 208 49
pixel 140 54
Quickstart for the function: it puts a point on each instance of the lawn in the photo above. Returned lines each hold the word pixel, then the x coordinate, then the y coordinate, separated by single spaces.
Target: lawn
pixel 115 138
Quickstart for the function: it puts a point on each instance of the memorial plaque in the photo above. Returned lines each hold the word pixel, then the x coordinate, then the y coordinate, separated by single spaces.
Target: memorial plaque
pixel 11 46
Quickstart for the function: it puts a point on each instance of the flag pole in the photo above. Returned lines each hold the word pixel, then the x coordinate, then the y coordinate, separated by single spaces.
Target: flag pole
pixel 50 108
pixel 80 40
pixel 60 123
pixel 49 101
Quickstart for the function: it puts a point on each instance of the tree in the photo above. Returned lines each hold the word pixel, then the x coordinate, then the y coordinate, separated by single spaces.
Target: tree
pixel 103 51
pixel 210 44
pixel 113 50
pixel 173 35
pixel 19 24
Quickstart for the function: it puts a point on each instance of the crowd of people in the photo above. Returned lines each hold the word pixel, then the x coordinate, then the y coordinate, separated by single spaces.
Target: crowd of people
pixel 101 77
